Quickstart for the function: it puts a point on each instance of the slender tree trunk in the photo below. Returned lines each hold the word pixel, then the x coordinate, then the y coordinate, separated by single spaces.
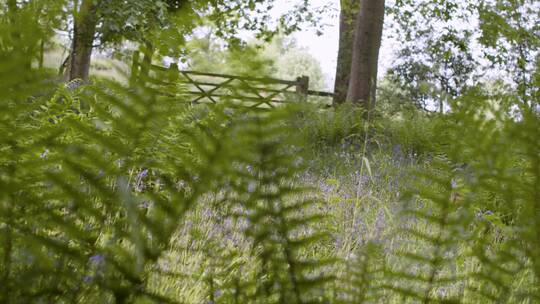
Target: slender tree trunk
pixel 347 22
pixel 12 12
pixel 41 57
pixel 83 38
pixel 13 9
pixel 367 42
pixel 22 46
pixel 148 50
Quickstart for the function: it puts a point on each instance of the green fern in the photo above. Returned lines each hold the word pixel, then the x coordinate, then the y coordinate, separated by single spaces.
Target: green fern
pixel 473 212
pixel 116 194
pixel 363 277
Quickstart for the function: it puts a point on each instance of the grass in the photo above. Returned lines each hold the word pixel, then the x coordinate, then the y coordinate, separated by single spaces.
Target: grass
pixel 362 193
pixel 390 200
pixel 361 207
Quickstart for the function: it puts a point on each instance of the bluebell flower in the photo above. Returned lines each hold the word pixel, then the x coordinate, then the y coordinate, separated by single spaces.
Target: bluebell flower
pixel 88 279
pixel 97 259
pixel 142 174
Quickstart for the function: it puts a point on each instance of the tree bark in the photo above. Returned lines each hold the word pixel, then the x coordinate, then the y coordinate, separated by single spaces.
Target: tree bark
pixel 148 51
pixel 22 46
pixel 13 9
pixel 367 42
pixel 347 24
pixel 12 12
pixel 83 39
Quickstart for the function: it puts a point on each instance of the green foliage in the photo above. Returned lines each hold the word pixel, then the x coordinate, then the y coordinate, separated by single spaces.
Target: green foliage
pixel 445 54
pixel 510 34
pixel 106 189
pixel 363 276
pixel 91 201
pixel 281 59
pixel 323 128
pixel 472 203
pixel 465 233
pixel 115 194
pixel 292 61
pixel 436 61
pixel 166 23
pixel 415 134
pixel 209 54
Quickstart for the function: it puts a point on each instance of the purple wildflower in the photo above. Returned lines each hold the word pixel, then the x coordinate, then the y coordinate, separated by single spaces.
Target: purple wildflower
pixel 88 279
pixel 97 259
pixel 142 174
pixel 44 154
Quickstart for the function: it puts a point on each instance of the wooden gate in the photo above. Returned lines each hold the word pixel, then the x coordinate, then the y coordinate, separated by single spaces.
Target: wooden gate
pixel 201 87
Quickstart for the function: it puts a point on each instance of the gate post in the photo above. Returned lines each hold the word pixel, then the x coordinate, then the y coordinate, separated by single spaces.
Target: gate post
pixel 302 87
pixel 173 71
pixel 135 65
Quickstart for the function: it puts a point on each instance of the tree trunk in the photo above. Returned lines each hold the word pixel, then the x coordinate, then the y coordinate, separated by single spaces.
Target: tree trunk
pixel 22 46
pixel 83 39
pixel 367 42
pixel 148 50
pixel 41 55
pixel 12 11
pixel 347 22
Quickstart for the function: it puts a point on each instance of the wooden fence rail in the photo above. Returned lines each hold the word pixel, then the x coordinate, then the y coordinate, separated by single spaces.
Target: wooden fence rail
pixel 204 87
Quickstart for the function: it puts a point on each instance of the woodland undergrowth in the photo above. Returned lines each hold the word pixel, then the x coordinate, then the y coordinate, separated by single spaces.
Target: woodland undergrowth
pixel 119 194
